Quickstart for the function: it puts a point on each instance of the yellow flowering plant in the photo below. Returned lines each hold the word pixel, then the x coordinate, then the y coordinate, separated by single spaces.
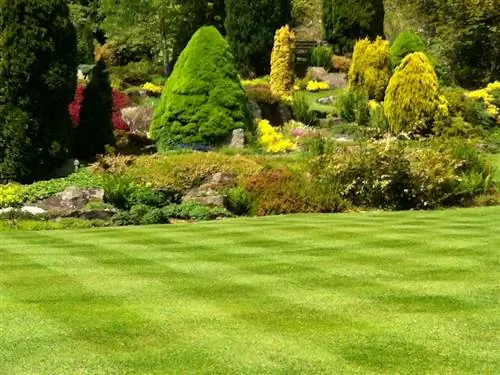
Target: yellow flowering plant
pixel 272 140
pixel 151 87
pixel 11 195
pixel 490 96
pixel 315 86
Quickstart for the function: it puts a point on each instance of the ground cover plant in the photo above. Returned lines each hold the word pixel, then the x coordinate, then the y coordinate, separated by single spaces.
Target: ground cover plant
pixel 408 292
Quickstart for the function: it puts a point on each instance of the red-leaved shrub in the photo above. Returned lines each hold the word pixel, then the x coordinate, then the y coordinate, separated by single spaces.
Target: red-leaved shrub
pixel 120 101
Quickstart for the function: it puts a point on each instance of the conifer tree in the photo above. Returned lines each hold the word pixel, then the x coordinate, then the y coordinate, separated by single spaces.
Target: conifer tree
pixel 37 83
pixel 250 28
pixel 95 130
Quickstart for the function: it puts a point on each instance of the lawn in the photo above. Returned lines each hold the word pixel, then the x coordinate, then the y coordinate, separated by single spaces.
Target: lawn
pixel 406 293
pixel 311 98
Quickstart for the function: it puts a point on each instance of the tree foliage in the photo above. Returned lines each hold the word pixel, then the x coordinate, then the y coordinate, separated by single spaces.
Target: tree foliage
pixel 282 61
pixel 250 28
pixel 95 129
pixel 407 42
pixel 203 100
pixel 412 101
pixel 37 83
pixel 345 21
pixel 371 67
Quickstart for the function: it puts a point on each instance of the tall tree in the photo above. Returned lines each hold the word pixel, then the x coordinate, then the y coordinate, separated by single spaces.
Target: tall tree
pixel 250 28
pixel 95 129
pixel 37 83
pixel 346 21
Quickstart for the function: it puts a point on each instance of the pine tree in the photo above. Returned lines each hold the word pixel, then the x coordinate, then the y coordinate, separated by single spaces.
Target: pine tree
pixel 95 130
pixel 37 83
pixel 250 28
pixel 203 101
pixel 346 21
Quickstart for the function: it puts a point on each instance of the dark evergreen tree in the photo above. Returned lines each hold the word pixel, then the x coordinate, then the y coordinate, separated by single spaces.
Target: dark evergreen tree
pixel 37 83
pixel 95 130
pixel 346 21
pixel 250 29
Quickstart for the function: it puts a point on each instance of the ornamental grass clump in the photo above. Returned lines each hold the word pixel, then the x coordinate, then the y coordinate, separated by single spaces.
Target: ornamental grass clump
pixel 412 101
pixel 371 67
pixel 203 100
pixel 282 60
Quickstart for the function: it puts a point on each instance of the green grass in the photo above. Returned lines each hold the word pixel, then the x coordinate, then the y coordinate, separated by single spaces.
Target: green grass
pixel 311 98
pixel 368 293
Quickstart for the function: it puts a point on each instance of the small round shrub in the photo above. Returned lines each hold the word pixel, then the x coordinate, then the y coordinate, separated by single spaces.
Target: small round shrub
pixel 341 64
pixel 238 201
pixel 282 61
pixel 406 42
pixel 203 100
pixel 412 102
pixel 154 216
pixel 371 67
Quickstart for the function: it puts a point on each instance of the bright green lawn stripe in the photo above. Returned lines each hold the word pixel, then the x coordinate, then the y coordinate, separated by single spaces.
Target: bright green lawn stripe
pixel 285 304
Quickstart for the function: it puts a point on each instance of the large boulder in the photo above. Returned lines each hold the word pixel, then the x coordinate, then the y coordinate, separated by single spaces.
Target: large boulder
pixel 71 201
pixel 138 118
pixel 238 139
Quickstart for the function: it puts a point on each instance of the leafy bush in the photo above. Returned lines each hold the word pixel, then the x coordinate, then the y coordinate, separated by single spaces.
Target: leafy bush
pixel 395 176
pixel 282 61
pixel 262 93
pixel 353 107
pixel 341 64
pixel 194 211
pixel 11 195
pixel 321 56
pixel 407 42
pixel 302 111
pixel 346 21
pixel 237 201
pixel 273 140
pixel 412 102
pixel 282 191
pixel 378 120
pixel 371 68
pixel 203 101
pixel 179 172
pixel 119 189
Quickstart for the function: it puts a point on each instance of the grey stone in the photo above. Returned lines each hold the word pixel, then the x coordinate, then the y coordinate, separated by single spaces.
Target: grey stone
pixel 285 113
pixel 238 139
pixel 138 118
pixel 28 209
pixel 255 110
pixel 70 200
pixel 316 73
pixel 336 80
pixel 210 193
pixel 325 100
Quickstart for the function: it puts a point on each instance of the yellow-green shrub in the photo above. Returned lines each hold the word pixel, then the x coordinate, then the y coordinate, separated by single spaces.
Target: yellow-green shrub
pixel 272 140
pixel 151 87
pixel 11 195
pixel 488 96
pixel 412 102
pixel 282 59
pixel 371 67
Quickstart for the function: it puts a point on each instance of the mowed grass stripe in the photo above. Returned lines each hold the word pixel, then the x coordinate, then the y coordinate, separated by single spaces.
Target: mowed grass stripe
pixel 361 293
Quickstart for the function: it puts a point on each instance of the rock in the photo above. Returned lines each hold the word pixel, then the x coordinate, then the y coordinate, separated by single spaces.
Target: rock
pixel 28 209
pixel 327 100
pixel 316 73
pixel 285 113
pixel 138 118
pixel 238 139
pixel 210 192
pixel 255 110
pixel 70 200
pixel 336 80
pixel 104 215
